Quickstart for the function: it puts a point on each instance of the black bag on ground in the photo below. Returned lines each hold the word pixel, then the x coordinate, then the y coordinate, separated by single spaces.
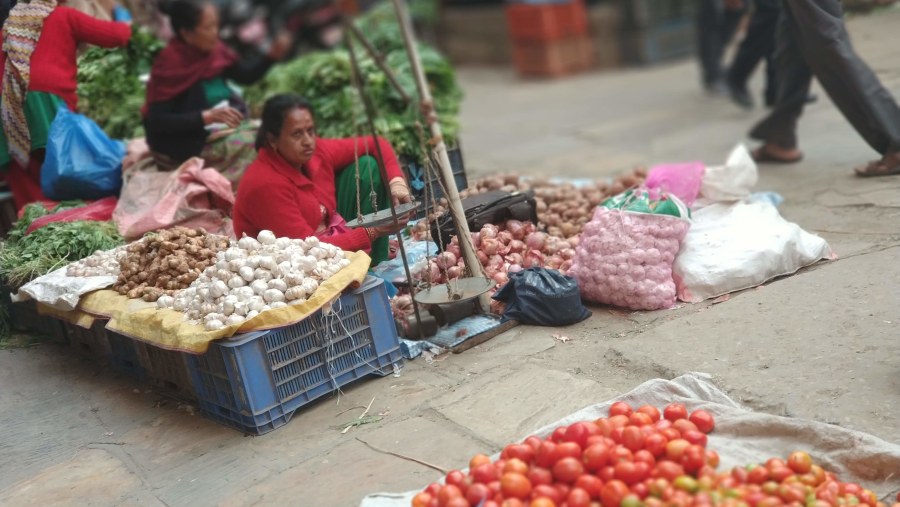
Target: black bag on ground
pixel 492 207
pixel 542 297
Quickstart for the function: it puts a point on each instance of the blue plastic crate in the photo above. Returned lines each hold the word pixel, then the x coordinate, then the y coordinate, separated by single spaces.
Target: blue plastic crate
pixel 165 369
pixel 123 356
pixel 255 382
pixel 93 342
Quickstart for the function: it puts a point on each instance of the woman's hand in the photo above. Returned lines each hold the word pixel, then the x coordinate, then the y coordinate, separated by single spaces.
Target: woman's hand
pixel 281 45
pixel 391 228
pixel 400 191
pixel 227 115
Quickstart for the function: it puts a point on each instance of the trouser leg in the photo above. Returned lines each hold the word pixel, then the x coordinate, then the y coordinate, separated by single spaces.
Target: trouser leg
pixel 758 44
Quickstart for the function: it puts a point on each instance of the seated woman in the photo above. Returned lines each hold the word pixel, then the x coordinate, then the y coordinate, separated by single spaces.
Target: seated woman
pixel 39 74
pixel 302 185
pixel 188 95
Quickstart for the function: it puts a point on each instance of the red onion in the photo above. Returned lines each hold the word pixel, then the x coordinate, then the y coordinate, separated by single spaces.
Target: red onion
pixel 490 246
pixel 515 228
pixel 536 240
pixel 515 258
pixel 482 257
pixel 495 263
pixel 553 262
pixel 435 272
pixel 455 250
pixel 505 237
pixel 566 266
pixel 533 259
pixel 454 272
pixel 552 245
pixel 445 259
pixel 567 253
pixel 476 239
pixel 489 231
pixel 516 246
pixel 528 227
pixel 514 268
pixel 574 240
pixel 501 278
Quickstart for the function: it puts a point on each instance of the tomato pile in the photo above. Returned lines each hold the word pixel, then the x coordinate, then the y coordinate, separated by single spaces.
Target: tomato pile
pixel 638 458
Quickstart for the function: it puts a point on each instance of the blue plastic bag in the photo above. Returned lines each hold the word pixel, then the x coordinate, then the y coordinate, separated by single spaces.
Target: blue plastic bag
pixel 82 162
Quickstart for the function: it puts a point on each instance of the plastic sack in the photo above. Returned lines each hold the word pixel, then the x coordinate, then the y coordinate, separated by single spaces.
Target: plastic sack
pixel 625 258
pixel 641 201
pixel 733 181
pixel 82 162
pixel 98 211
pixel 680 180
pixel 732 247
pixel 190 196
pixel 542 297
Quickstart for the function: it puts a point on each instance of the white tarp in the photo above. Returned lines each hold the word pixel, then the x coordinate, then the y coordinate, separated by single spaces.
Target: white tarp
pixel 63 292
pixel 743 437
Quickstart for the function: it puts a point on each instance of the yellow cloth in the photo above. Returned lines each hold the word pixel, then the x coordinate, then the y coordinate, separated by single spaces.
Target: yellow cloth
pixel 167 328
pixel 76 317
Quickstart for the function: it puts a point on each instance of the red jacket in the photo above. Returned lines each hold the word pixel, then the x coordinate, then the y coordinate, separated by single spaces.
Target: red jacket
pixel 277 197
pixel 54 63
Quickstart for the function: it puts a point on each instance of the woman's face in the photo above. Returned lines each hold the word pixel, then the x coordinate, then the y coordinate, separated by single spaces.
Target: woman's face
pixel 205 36
pixel 297 141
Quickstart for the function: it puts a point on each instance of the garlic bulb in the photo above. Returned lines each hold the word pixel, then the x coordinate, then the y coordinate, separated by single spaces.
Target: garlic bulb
pixel 266 237
pixel 249 244
pixel 252 314
pixel 214 325
pixel 278 304
pixel 273 296
pixel 236 282
pixel 234 320
pixel 165 302
pixel 263 274
pixel 277 283
pixel 218 289
pixel 235 265
pixel 246 272
pixel 253 261
pixel 283 243
pixel 267 262
pixel 259 286
pixel 256 304
pixel 234 254
pixel 295 293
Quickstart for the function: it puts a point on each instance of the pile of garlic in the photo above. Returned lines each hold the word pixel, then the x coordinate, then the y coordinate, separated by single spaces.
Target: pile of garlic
pixel 255 275
pixel 101 263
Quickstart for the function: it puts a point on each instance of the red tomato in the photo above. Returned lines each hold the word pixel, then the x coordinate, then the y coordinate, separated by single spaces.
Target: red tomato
pixel 447 493
pixel 568 470
pixel 580 432
pixel 491 503
pixel 523 452
pixel 643 469
pixel 539 475
pixel 516 466
pixel 546 491
pixel 627 472
pixel 484 473
pixel 800 462
pixel 423 499
pixel 542 501
pixel 434 488
pixel 740 474
pixel 612 493
pixel 617 433
pixel 712 458
pixel 779 474
pixel 455 477
pixel 675 411
pixel 533 441
pixel 758 475
pixel 620 408
pixel 558 434
pixel 619 421
pixel 546 455
pixel 591 484
pixel 663 424
pixel 694 458
pixel 596 439
pixel 605 426
pixel 607 473
pixel 704 420
pixel 512 502
pixel 562 489
pixel 650 410
pixel 621 454
pixel 675 449
pixel 578 498
pixel 640 419
pixel 656 444
pixel 494 486
pixel 684 425
pixel 478 493
pixel 671 434
pixel 567 450
pixel 770 501
pixel 478 459
pixel 457 502
pixel 596 457
pixel 641 490
pixel 695 437
pixel 645 456
pixel 632 438
pixel 668 470
pixel 515 486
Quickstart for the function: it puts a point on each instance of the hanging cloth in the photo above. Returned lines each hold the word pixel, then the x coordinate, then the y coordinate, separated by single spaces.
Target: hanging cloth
pixel 180 66
pixel 21 34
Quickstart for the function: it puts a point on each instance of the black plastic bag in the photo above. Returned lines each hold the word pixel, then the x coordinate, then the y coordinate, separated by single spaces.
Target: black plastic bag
pixel 542 297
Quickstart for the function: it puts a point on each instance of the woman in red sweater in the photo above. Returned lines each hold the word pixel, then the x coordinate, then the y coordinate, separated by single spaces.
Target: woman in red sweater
pixel 39 68
pixel 302 185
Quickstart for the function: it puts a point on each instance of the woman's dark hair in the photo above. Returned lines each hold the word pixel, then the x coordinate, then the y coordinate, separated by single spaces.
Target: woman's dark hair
pixel 183 14
pixel 274 113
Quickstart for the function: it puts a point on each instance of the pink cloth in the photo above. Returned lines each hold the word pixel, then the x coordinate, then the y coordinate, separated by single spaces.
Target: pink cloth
pixel 336 225
pixel 681 180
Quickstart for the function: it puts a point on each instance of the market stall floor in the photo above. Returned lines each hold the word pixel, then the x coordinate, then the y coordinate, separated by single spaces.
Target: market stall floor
pixel 820 345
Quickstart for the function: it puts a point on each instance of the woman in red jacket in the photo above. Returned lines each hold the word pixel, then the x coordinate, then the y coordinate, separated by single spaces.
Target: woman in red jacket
pixel 39 68
pixel 302 185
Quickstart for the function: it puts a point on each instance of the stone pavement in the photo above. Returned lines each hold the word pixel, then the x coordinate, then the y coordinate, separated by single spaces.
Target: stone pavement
pixel 822 344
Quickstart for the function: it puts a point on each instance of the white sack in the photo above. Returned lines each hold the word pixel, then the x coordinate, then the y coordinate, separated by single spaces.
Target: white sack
pixel 63 292
pixel 731 247
pixel 731 182
pixel 743 437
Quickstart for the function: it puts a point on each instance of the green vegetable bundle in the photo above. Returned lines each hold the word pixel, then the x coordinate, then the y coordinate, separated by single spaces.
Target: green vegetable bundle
pixel 110 91
pixel 325 79
pixel 24 258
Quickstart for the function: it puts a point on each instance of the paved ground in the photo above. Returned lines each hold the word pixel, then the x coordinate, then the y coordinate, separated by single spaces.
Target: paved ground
pixel 821 345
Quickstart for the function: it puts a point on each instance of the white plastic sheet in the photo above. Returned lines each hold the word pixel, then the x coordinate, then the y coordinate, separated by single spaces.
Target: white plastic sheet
pixel 63 292
pixel 743 437
pixel 731 182
pixel 732 247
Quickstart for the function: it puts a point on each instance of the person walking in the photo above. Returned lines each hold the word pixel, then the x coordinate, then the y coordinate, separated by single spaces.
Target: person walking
pixel 812 41
pixel 758 45
pixel 717 22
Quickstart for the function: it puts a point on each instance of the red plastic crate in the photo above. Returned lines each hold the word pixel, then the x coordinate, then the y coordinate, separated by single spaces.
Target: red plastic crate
pixel 546 22
pixel 553 59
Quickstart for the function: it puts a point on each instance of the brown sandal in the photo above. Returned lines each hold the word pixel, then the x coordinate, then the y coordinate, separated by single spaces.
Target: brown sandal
pixel 879 168
pixel 762 156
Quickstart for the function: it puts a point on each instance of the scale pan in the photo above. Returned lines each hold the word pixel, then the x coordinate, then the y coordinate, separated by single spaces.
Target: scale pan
pixel 383 217
pixel 461 289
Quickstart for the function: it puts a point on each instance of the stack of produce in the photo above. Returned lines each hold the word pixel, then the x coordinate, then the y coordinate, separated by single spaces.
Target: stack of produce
pixel 637 459
pixel 101 263
pixel 26 257
pixel 165 262
pixel 255 275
